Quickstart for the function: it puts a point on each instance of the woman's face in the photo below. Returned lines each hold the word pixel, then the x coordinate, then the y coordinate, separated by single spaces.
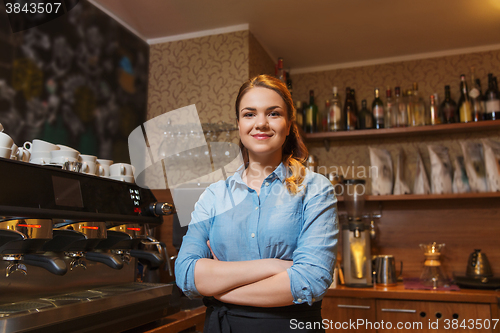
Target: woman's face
pixel 263 122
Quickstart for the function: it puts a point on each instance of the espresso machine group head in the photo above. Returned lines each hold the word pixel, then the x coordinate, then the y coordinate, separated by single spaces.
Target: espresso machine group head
pixel 356 237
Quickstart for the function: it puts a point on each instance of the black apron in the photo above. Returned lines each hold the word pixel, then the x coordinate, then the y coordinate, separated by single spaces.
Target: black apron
pixel 229 318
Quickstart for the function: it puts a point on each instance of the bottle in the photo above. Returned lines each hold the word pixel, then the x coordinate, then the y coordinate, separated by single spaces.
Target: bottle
pixel 378 111
pixel 390 110
pixel 281 72
pixel 365 117
pixel 448 107
pixel 434 111
pixel 492 100
pixel 349 112
pixel 324 117
pixel 418 114
pixel 354 103
pixel 298 115
pixel 311 114
pixel 464 103
pixel 476 97
pixel 335 115
pixel 402 114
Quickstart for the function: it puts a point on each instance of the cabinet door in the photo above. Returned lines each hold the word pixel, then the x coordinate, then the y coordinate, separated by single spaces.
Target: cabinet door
pixel 402 316
pixel 348 314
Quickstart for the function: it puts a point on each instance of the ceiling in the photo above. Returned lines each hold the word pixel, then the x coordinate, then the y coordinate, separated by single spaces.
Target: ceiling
pixel 318 33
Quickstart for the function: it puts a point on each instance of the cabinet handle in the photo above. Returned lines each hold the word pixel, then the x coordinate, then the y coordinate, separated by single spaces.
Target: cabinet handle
pixel 365 307
pixel 399 310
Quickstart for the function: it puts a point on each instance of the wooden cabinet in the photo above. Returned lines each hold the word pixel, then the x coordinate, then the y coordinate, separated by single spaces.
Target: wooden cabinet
pixel 432 316
pixel 341 312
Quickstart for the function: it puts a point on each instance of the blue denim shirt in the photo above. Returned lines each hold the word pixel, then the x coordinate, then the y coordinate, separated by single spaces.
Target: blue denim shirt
pixel 242 225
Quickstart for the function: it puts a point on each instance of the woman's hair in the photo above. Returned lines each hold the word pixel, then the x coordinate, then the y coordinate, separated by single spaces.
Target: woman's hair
pixel 294 151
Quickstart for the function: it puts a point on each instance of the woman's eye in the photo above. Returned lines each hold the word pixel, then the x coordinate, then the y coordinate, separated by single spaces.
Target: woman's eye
pixel 248 115
pixel 274 114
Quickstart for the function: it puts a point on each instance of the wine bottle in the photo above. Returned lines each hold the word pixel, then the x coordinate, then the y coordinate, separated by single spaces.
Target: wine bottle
pixel 281 72
pixel 324 117
pixel 349 112
pixel 476 97
pixel 435 114
pixel 298 116
pixel 365 117
pixel 378 110
pixel 402 114
pixel 390 110
pixel 492 100
pixel 449 107
pixel 464 103
pixel 418 111
pixel 311 115
pixel 335 115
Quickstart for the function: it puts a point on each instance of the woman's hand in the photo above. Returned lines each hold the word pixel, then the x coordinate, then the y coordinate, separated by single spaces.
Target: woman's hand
pixel 213 254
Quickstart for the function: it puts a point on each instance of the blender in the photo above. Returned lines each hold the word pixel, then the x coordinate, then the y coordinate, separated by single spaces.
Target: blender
pixel 433 274
pixel 356 237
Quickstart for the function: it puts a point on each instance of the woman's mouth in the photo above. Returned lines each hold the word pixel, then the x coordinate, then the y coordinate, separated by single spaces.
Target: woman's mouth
pixel 261 136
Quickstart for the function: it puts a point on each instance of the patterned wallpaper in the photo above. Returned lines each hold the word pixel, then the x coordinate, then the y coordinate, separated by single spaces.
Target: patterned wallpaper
pixel 431 74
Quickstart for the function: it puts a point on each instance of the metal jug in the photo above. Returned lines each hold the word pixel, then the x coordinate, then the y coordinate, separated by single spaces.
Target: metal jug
pixel 385 270
pixel 478 265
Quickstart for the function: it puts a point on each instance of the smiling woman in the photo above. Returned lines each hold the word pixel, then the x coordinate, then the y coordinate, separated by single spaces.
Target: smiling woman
pixel 261 246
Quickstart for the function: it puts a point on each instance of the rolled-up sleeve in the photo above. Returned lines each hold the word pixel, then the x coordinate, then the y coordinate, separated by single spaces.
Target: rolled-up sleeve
pixel 314 258
pixel 194 244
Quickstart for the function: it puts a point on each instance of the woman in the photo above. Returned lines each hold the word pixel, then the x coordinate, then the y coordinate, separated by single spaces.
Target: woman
pixel 261 246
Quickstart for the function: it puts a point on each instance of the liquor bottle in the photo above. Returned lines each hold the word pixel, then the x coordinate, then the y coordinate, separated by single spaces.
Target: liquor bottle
pixel 324 117
pixel 378 110
pixel 435 114
pixel 335 115
pixel 464 103
pixel 390 110
pixel 281 72
pixel 402 114
pixel 492 100
pixel 311 114
pixel 476 97
pixel 349 112
pixel 418 111
pixel 298 116
pixel 449 107
pixel 365 117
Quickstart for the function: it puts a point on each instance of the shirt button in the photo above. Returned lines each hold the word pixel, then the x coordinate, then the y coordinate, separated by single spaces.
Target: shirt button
pixel 267 184
pixel 299 300
pixel 256 208
pixel 253 235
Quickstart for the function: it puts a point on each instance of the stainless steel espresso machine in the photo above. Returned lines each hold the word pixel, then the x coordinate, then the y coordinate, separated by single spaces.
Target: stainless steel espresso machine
pixel 356 256
pixel 70 248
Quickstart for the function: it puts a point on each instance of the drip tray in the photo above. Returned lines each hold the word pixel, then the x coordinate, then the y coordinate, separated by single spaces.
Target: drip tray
pixel 60 310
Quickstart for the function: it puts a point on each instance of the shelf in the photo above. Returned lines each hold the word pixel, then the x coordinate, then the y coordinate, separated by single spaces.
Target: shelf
pixel 403 131
pixel 414 197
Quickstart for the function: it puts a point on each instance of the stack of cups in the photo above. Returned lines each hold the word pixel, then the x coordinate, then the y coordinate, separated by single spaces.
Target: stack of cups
pixel 40 151
pixel 122 171
pixel 64 155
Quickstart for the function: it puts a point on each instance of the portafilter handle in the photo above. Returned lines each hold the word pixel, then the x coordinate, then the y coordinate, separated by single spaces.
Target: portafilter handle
pixel 162 250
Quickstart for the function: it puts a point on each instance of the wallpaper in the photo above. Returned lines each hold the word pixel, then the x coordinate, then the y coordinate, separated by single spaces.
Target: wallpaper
pixel 430 74
pixel 78 80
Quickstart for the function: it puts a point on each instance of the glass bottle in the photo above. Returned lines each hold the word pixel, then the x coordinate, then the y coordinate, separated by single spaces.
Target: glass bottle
pixel 311 114
pixel 281 72
pixel 378 111
pixel 354 103
pixel 390 110
pixel 476 97
pixel 492 100
pixel 435 114
pixel 324 117
pixel 298 115
pixel 365 117
pixel 464 103
pixel 335 114
pixel 402 115
pixel 448 107
pixel 409 106
pixel 418 114
pixel 349 112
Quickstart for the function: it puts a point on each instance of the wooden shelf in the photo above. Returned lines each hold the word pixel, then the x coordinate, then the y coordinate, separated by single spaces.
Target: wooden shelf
pixel 403 131
pixel 414 197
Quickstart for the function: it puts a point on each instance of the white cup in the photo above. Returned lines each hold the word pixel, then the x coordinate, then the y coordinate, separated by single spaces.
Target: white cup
pixel 5 152
pixel 23 154
pixel 40 157
pixel 61 156
pixel 102 169
pixel 13 152
pixel 61 147
pixel 39 145
pixel 121 169
pixel 5 141
pixel 127 179
pixel 88 164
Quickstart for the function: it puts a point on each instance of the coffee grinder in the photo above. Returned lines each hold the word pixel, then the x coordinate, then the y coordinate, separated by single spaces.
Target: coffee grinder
pixel 356 237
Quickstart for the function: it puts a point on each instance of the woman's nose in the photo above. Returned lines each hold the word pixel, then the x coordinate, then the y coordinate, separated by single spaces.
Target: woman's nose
pixel 261 121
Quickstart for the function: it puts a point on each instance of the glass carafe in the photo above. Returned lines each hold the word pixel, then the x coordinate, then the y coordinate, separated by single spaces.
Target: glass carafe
pixel 433 274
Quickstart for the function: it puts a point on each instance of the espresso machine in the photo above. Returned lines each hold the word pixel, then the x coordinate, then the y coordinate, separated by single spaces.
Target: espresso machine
pixel 356 256
pixel 71 246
